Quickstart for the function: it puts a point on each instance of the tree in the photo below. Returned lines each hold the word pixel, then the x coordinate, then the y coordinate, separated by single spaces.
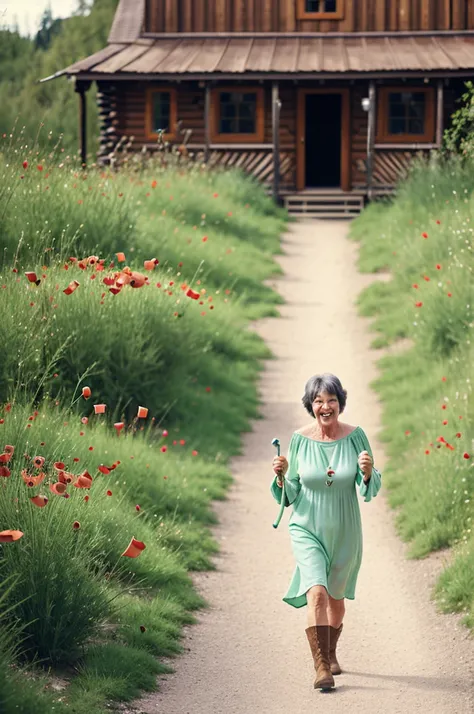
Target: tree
pixel 459 138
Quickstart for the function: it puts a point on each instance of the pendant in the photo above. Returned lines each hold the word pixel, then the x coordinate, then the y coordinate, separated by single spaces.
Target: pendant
pixel 330 474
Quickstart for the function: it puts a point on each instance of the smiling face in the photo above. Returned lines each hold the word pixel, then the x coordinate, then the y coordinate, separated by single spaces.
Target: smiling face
pixel 326 409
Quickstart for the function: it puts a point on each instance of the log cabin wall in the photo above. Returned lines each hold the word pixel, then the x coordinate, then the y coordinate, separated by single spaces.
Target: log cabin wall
pixel 282 16
pixel 128 100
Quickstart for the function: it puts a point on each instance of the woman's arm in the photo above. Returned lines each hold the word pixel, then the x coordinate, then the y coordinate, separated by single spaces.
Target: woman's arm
pixel 369 486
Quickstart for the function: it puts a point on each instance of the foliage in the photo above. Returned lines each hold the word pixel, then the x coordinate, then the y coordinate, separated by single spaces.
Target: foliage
pixel 191 362
pixel 24 62
pixel 459 138
pixel 425 236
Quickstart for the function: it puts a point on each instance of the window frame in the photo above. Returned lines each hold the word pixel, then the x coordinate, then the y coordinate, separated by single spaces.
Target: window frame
pixel 383 135
pixel 303 14
pixel 169 135
pixel 258 136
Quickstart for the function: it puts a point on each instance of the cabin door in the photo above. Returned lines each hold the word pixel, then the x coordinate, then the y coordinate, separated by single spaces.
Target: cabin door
pixel 324 139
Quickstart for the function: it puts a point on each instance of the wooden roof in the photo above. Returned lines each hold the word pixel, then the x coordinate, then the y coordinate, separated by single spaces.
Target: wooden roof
pixel 300 55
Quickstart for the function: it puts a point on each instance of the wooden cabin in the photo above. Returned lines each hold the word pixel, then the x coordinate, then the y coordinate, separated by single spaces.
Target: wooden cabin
pixel 312 97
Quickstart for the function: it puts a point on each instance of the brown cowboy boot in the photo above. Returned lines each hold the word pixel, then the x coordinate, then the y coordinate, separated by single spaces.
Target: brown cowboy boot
pixel 334 635
pixel 318 638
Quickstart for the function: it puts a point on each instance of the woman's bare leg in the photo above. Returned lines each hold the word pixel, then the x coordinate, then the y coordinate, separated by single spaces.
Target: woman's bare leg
pixel 318 604
pixel 335 612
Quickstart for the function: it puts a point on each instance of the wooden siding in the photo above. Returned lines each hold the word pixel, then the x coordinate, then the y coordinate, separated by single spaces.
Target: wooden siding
pixel 281 16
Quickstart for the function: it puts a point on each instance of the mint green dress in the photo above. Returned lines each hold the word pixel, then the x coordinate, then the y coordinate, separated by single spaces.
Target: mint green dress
pixel 325 526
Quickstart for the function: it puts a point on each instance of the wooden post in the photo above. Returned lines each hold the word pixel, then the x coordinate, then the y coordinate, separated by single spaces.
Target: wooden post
pixel 276 107
pixel 440 113
pixel 81 88
pixel 371 138
pixel 207 122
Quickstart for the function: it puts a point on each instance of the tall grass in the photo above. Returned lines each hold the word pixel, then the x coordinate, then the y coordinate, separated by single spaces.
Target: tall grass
pixel 192 363
pixel 425 237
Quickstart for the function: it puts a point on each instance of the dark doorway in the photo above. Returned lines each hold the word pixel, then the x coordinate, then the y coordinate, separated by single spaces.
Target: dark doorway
pixel 323 119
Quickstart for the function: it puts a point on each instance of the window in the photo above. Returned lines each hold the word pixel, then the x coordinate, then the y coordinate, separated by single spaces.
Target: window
pixel 161 113
pixel 238 115
pixel 320 9
pixel 406 115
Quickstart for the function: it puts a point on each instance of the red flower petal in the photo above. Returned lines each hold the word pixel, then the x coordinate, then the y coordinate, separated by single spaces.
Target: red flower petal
pixel 73 285
pixel 192 294
pixel 135 547
pixel 39 501
pixel 10 536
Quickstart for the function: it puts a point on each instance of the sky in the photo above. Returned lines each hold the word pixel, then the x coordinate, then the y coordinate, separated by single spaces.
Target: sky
pixel 28 12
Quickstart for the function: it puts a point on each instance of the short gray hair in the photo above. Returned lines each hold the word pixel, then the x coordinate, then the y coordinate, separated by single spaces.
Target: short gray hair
pixel 323 383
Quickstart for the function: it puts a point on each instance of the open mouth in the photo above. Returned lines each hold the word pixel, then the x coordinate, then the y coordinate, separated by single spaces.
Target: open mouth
pixel 326 415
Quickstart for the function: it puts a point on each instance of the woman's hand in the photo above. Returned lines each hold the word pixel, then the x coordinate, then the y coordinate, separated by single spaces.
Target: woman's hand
pixel 366 463
pixel 280 467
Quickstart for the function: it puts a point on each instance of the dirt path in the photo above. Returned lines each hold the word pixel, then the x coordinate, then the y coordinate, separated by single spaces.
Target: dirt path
pixel 249 653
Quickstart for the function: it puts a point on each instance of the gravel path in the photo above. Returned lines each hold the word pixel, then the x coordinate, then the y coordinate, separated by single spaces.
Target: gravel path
pixel 248 654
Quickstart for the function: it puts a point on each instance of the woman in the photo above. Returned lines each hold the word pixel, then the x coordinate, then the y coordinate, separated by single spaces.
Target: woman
pixel 326 459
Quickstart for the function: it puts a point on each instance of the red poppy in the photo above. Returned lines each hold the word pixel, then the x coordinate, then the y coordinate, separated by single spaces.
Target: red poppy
pixel 32 480
pixel 443 406
pixel 445 421
pixel 85 420
pixel 10 536
pixel 99 408
pixel 458 435
pixel 114 291
pixel 71 287
pixel 151 264
pixel 138 280
pixel 415 285
pixel 109 493
pixel 65 477
pixel 59 465
pixel 134 548
pixel 441 439
pixel 25 164
pixel 425 235
pixel 84 480
pixel 165 433
pixel 154 184
pixel 58 488
pixel 38 461
pixel 466 455
pixel 418 304
pixel 39 167
pixel 5 472
pixel 137 507
pixel 5 458
pixel 450 447
pixel 86 392
pixel 9 449
pixel 76 525
pixel 142 628
pixel 427 451
pixel 425 277
pixel 32 278
pixel 142 412
pixel 119 426
pixel 443 379
pixel 104 469
pixel 192 294
pixel 438 266
pixel 164 449
pixel 195 453
pixel 39 501
pixel 120 257
pixel 450 295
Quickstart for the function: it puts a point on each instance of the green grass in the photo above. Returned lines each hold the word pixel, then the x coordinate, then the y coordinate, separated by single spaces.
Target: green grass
pixel 98 620
pixel 424 236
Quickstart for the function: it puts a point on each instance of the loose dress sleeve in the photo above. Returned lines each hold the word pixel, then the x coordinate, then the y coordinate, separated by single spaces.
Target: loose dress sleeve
pixel 292 479
pixel 367 490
